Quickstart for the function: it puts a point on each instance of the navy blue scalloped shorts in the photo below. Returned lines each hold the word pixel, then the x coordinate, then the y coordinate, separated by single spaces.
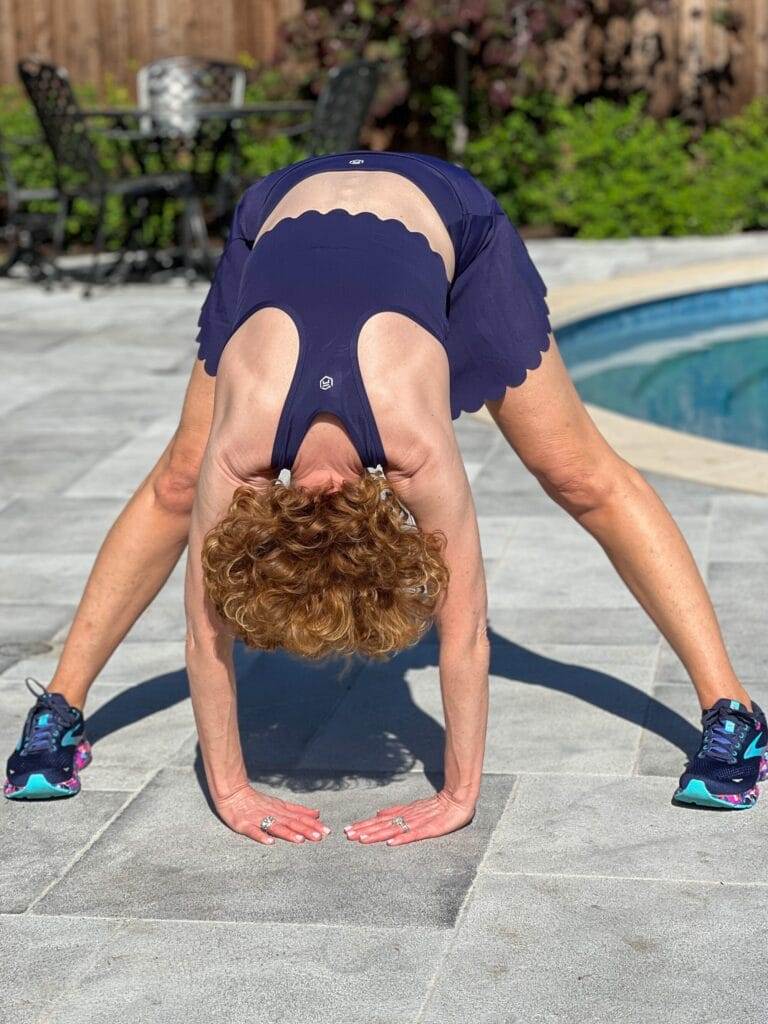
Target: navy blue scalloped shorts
pixel 331 272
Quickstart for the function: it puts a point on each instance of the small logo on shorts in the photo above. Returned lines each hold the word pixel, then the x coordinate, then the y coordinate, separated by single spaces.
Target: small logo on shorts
pixel 358 161
pixel 326 382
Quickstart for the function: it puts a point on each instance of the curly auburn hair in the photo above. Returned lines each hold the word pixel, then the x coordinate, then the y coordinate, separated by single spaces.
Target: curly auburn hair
pixel 324 572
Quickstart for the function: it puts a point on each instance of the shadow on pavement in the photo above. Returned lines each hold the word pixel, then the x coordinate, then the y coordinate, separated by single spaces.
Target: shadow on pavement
pixel 285 704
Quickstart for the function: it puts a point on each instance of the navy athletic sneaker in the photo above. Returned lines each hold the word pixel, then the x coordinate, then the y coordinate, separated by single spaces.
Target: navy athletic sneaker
pixel 52 750
pixel 730 761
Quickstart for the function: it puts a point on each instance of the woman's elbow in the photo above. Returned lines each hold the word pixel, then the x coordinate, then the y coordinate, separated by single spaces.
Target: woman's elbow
pixel 204 641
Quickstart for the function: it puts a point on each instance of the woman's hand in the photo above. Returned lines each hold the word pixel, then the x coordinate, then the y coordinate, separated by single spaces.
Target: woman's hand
pixel 245 809
pixel 426 819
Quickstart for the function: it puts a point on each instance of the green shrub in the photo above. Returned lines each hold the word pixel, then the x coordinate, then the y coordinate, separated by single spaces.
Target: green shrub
pixel 731 172
pixel 602 170
pixel 618 172
pixel 608 170
pixel 515 152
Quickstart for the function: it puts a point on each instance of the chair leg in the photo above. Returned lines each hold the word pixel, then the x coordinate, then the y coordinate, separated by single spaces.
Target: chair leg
pixel 13 257
pixel 199 233
pixel 187 251
pixel 94 277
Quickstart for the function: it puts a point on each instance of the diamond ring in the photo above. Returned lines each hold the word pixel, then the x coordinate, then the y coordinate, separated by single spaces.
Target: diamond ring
pixel 266 823
pixel 401 823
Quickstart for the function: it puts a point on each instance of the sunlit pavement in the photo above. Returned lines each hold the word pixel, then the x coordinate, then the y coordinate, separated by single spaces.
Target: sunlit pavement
pixel 578 894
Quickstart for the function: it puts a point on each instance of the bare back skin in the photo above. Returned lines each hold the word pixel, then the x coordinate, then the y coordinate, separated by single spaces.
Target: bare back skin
pixel 404 368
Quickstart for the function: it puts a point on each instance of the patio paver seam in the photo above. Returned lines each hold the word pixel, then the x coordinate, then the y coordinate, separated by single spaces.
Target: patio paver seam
pixel 463 910
pixel 633 771
pixel 237 922
pixel 626 878
pixel 75 860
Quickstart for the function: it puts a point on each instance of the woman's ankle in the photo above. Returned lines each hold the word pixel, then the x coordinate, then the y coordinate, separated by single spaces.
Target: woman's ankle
pixel 74 694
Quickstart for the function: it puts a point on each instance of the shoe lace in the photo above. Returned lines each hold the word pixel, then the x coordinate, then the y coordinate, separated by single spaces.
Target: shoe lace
pixel 719 742
pixel 46 720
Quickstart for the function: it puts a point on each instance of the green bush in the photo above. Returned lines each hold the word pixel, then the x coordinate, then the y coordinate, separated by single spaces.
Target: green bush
pixel 515 152
pixel 731 173
pixel 601 170
pixel 608 170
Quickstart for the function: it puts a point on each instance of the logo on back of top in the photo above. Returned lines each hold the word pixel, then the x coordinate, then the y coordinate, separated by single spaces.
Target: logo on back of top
pixel 358 161
pixel 326 382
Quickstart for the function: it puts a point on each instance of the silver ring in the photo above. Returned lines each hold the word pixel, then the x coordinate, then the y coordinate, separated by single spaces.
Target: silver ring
pixel 266 823
pixel 401 823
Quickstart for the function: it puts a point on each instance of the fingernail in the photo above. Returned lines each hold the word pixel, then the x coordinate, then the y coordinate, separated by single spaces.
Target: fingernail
pixel 326 830
pixel 316 835
pixel 347 828
pixel 363 836
pixel 299 839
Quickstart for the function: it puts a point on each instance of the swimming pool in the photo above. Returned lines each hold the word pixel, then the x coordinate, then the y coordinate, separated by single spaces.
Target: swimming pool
pixel 697 363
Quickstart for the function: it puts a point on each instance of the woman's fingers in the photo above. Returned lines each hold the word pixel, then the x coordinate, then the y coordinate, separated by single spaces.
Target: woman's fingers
pixel 377 833
pixel 310 829
pixel 284 831
pixel 381 817
pixel 252 831
pixel 413 835
pixel 313 824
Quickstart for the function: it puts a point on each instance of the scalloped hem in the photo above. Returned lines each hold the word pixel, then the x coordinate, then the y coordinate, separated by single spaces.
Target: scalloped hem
pixel 493 383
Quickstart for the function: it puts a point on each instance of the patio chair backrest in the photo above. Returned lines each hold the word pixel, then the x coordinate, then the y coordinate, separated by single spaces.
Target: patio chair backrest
pixel 169 89
pixel 343 106
pixel 61 120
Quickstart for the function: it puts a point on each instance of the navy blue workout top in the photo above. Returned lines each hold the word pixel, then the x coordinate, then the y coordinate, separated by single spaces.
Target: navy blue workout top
pixel 331 272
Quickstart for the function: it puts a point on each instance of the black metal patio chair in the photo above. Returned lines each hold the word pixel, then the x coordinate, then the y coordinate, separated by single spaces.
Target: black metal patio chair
pixel 28 232
pixel 80 173
pixel 170 90
pixel 341 109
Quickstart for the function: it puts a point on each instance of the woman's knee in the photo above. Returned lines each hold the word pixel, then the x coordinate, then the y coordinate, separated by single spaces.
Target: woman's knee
pixel 583 483
pixel 175 481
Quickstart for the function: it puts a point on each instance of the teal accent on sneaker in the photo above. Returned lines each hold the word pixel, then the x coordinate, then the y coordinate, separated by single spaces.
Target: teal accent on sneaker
pixel 730 726
pixel 735 705
pixel 753 750
pixel 696 792
pixel 39 788
pixel 69 739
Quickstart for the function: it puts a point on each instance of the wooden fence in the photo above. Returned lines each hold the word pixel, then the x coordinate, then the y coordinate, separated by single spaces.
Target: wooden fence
pixel 99 38
pixel 703 57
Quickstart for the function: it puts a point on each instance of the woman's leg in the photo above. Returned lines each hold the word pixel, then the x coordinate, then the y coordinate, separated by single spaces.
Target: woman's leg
pixel 546 423
pixel 140 550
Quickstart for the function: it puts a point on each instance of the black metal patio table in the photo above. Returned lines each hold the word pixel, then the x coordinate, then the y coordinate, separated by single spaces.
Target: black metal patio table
pixel 211 135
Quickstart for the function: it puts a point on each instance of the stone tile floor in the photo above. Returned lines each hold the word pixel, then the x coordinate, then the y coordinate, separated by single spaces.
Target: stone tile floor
pixel 579 893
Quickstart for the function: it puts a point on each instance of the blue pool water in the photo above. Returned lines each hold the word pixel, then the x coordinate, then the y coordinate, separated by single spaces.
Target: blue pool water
pixel 697 363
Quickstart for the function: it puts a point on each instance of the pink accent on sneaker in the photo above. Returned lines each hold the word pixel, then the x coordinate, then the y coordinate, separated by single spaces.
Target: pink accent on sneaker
pixel 83 756
pixel 750 797
pixel 762 774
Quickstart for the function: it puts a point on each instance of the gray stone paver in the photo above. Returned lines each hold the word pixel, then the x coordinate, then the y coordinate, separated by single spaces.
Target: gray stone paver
pixel 551 949
pixel 580 893
pixel 173 972
pixel 140 855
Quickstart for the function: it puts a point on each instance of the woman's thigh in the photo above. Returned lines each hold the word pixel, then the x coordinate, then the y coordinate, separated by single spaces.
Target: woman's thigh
pixel 547 424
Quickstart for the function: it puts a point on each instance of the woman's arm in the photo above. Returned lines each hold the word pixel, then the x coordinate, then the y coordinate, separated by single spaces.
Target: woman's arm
pixel 439 496
pixel 213 688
